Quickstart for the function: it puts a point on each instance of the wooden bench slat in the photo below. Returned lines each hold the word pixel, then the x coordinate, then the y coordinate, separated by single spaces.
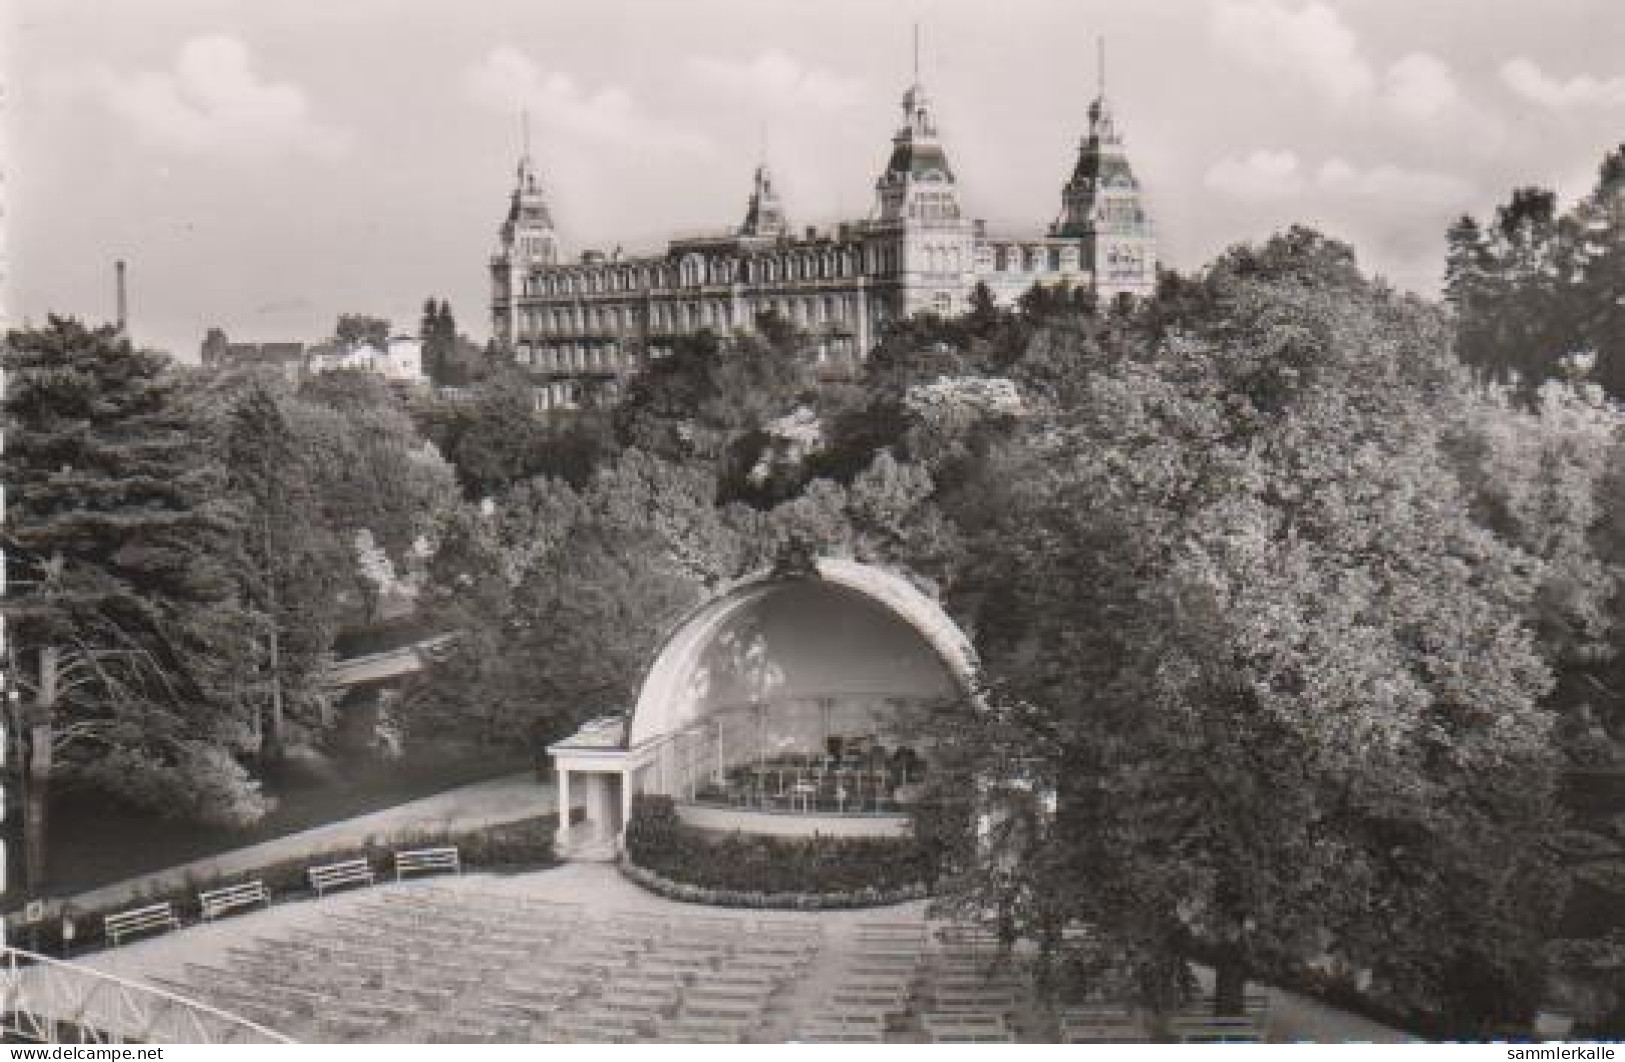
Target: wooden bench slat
pixel 139 919
pixel 215 902
pixel 427 860
pixel 335 875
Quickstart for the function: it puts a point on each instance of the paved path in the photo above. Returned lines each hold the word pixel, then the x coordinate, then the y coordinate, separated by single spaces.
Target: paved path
pixel 489 803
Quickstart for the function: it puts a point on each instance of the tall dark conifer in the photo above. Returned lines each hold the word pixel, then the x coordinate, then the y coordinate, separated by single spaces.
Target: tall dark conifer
pixel 124 627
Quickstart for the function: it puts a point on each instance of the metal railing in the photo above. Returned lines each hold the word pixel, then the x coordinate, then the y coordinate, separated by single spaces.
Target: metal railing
pixel 44 1000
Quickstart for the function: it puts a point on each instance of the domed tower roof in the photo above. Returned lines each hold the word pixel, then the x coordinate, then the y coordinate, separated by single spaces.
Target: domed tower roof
pixel 528 231
pixel 918 165
pixel 1102 188
pixel 764 215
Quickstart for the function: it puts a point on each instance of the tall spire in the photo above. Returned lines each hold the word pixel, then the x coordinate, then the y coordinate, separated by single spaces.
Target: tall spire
pixel 917 183
pixel 1102 207
pixel 764 214
pixel 527 232
pixel 527 164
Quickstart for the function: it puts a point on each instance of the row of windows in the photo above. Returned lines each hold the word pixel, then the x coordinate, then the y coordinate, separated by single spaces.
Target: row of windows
pixel 578 357
pixel 1014 259
pixel 694 270
pixel 717 315
pixel 1125 263
pixel 944 259
pixel 876 259
pixel 934 206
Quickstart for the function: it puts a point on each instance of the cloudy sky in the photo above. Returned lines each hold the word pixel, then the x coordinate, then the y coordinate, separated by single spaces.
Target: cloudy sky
pixel 266 166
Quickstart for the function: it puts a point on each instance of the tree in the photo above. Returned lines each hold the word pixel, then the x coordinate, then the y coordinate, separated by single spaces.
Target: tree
pixel 368 466
pixel 125 628
pixel 438 333
pixel 293 563
pixel 1260 687
pixel 700 402
pixel 499 439
pixel 1537 286
pixel 562 596
pixel 355 329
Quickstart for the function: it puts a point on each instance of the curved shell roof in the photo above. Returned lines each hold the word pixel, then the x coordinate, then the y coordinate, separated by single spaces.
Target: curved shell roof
pixel 674 690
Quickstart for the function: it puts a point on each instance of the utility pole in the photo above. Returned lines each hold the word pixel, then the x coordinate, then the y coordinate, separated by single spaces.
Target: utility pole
pixel 123 299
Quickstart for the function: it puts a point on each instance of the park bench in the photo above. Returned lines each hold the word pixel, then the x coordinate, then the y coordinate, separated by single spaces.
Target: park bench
pixel 531 1006
pixel 1105 1023
pixel 427 861
pixel 337 875
pixel 115 927
pixel 744 1008
pixel 863 1025
pixel 1192 1030
pixel 873 995
pixel 1253 1004
pixel 964 1028
pixel 686 1030
pixel 828 1027
pixel 216 902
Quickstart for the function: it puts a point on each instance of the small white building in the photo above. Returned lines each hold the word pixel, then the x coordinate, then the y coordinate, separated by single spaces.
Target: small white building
pixel 401 360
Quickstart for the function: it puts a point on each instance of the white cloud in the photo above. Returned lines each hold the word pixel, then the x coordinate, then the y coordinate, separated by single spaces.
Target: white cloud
pixel 1311 43
pixel 214 101
pixel 507 80
pixel 1261 175
pixel 778 81
pixel 1421 87
pixel 1393 184
pixel 1583 90
pixel 1312 46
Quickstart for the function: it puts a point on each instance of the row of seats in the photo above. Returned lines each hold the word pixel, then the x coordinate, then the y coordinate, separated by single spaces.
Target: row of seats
pixel 436 964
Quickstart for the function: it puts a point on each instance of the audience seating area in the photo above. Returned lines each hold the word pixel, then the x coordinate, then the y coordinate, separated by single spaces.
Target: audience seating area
pixel 429 962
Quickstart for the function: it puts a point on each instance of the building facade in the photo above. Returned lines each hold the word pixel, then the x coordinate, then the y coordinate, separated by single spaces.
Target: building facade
pixel 582 326
pixel 399 360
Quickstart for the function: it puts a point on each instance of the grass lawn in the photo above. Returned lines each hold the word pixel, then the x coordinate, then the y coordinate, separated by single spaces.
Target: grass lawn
pixel 96 842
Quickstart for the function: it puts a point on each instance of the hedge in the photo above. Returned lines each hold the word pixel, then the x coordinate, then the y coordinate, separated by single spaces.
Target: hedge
pixel 775 901
pixel 750 870
pixel 526 844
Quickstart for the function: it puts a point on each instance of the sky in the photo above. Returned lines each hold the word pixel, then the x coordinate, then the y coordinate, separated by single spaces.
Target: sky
pixel 264 167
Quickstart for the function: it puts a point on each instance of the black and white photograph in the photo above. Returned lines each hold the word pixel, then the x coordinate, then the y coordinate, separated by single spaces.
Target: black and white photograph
pixel 770 522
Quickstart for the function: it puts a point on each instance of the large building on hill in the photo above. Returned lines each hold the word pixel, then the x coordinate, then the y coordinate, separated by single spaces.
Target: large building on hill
pixel 582 324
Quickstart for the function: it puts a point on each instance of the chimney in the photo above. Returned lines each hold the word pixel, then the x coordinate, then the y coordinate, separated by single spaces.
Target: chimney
pixel 123 298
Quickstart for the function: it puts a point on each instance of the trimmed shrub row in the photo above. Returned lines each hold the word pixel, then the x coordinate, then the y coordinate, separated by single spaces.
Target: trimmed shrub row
pixel 776 901
pixel 749 870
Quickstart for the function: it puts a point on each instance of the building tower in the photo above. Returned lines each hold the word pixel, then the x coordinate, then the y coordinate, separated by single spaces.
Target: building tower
pixel 1101 203
pixel 764 216
pixel 527 241
pixel 918 184
pixel 929 252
